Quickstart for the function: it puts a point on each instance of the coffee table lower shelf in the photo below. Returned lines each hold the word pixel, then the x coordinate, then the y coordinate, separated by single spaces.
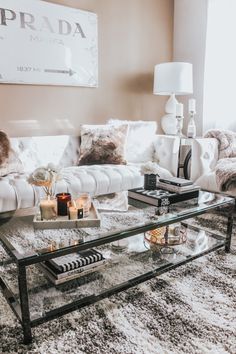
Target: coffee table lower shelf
pixel 27 323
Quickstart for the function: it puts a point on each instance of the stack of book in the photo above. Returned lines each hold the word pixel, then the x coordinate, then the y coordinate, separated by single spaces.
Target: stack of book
pixel 177 185
pixel 169 191
pixel 69 267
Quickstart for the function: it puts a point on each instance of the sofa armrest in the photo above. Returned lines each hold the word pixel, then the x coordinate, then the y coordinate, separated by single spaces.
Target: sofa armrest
pixel 204 157
pixel 166 152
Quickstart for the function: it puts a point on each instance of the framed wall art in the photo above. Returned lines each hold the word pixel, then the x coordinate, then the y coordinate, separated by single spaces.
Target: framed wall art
pixel 47 44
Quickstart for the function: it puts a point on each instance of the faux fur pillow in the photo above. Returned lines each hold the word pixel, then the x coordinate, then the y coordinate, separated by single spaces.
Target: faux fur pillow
pixel 103 144
pixel 11 165
pixel 4 147
pixel 9 161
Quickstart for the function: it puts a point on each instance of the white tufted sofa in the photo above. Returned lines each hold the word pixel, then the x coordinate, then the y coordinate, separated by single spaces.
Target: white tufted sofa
pixel 16 192
pixel 204 158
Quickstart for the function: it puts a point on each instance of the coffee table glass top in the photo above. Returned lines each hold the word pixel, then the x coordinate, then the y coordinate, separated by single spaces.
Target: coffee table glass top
pixel 129 264
pixel 25 243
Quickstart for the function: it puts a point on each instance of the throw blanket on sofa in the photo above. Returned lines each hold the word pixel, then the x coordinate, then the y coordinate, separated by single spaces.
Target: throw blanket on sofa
pixel 226 166
pixel 227 142
pixel 226 174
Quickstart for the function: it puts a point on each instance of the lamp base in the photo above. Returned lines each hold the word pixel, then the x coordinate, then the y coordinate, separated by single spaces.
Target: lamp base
pixel 169 124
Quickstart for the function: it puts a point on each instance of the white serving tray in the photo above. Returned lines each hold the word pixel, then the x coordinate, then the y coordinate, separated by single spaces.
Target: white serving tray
pixel 62 222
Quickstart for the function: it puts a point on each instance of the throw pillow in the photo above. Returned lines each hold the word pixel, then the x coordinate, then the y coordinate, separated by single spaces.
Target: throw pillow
pixel 11 165
pixel 103 144
pixel 141 135
pixel 4 147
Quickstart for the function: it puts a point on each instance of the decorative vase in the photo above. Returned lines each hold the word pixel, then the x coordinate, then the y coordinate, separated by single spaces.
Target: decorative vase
pixel 150 181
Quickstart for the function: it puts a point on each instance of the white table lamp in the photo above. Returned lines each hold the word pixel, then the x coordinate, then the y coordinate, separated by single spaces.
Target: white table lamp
pixel 174 78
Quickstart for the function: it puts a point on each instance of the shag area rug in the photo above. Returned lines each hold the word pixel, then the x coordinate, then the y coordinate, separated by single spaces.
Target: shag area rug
pixel 189 310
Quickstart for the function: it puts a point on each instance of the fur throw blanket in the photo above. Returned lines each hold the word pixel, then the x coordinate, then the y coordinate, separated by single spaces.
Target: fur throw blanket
pixel 226 174
pixel 5 147
pixel 227 142
pixel 226 165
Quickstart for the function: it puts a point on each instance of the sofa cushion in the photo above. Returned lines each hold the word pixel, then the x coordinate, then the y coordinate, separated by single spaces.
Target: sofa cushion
pixel 141 134
pixel 100 179
pixel 16 192
pixel 62 150
pixel 103 144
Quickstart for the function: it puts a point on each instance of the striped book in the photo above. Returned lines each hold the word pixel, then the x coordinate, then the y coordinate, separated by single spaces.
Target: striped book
pixel 60 280
pixel 61 275
pixel 76 260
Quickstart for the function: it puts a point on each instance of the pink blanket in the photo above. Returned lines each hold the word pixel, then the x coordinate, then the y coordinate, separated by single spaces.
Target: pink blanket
pixel 226 174
pixel 227 142
pixel 226 165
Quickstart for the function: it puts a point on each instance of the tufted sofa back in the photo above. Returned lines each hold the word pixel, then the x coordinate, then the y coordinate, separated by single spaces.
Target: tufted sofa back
pixel 62 150
pixel 166 152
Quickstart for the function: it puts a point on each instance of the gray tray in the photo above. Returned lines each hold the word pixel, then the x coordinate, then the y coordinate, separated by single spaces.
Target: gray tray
pixel 62 222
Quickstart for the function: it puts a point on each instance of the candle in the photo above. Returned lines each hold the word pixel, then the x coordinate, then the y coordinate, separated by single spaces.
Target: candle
pixel 80 213
pixel 52 247
pixel 84 202
pixel 48 209
pixel 179 110
pixel 62 203
pixel 192 105
pixel 73 213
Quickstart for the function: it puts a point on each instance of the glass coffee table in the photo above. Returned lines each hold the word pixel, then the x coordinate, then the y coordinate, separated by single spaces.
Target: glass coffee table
pixel 121 238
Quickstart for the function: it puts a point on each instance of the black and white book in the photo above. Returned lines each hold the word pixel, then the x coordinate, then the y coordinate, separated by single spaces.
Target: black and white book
pixel 57 281
pixel 160 198
pixel 157 198
pixel 176 189
pixel 62 275
pixel 76 260
pixel 176 181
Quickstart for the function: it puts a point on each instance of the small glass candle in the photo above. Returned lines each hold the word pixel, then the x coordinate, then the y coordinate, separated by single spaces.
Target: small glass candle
pixel 80 213
pixel 62 203
pixel 48 209
pixel 84 201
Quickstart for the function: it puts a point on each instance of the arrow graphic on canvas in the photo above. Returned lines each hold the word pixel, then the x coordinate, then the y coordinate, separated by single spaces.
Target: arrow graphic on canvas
pixel 53 71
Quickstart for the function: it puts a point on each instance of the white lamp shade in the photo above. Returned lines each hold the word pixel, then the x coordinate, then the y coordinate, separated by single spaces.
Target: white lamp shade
pixel 173 77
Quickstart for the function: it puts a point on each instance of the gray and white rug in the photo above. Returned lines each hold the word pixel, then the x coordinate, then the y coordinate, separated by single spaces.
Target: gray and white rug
pixel 189 310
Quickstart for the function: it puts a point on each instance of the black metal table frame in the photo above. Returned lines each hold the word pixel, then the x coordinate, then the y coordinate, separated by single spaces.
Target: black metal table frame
pixel 21 309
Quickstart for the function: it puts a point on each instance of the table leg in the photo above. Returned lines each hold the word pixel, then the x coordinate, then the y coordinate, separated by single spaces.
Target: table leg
pixel 24 303
pixel 229 232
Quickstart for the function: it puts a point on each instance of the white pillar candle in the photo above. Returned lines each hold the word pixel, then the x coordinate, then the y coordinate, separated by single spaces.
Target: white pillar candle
pixel 73 213
pixel 192 105
pixel 48 209
pixel 179 110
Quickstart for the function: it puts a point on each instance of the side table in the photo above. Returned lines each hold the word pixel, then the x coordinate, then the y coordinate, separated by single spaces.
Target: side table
pixel 185 152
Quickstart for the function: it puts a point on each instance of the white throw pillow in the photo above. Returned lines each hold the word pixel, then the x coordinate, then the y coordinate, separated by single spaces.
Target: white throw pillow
pixel 141 135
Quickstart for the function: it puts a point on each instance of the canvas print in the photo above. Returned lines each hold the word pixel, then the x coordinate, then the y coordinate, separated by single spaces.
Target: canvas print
pixel 47 44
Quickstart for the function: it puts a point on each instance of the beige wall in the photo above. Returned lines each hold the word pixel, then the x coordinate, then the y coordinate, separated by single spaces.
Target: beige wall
pixel 190 46
pixel 133 36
